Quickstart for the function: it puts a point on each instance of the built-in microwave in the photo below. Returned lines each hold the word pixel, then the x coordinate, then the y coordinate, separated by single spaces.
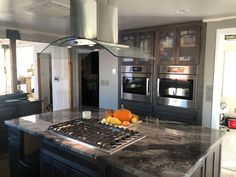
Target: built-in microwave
pixel 177 86
pixel 136 83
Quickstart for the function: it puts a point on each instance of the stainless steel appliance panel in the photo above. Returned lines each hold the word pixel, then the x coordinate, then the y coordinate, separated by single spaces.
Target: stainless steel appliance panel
pixel 136 86
pixel 177 90
pixel 190 70
pixel 137 69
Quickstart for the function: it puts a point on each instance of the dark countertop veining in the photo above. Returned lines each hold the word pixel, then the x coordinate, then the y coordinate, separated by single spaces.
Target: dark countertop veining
pixel 169 148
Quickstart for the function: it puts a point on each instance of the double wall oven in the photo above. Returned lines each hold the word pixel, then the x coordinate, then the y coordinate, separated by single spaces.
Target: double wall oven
pixel 177 86
pixel 136 83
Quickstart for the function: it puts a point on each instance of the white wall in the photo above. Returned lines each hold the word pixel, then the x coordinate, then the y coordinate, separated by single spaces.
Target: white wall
pixel 210 69
pixel 59 70
pixel 108 80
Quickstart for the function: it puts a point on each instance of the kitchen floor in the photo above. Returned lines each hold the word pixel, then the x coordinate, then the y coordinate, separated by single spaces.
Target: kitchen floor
pixel 228 157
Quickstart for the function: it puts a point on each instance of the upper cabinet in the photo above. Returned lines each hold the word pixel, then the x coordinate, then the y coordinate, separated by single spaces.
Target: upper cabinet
pixel 179 46
pixel 166 47
pixel 146 41
pixel 129 38
pixel 141 39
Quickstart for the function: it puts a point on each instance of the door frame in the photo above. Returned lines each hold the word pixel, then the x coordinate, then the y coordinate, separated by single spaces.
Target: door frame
pixel 39 75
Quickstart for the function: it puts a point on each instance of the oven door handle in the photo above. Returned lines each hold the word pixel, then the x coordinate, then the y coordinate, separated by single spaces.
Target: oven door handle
pixel 147 86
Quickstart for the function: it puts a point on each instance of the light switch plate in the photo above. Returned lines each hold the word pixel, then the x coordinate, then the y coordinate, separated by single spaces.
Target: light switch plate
pixel 209 92
pixel 104 82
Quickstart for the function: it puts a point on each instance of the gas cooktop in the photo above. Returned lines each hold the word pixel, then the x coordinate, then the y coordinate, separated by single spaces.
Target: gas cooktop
pixel 107 138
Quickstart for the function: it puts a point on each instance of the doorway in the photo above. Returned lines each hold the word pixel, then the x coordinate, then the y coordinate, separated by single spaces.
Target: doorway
pixel 44 62
pixel 90 80
pixel 218 74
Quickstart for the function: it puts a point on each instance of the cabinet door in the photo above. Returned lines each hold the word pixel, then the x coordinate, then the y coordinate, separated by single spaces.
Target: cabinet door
pixel 188 46
pixel 166 51
pixel 50 167
pixel 146 43
pixel 130 39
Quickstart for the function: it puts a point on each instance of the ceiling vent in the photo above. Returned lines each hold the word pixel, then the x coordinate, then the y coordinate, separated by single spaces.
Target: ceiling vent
pixel 53 8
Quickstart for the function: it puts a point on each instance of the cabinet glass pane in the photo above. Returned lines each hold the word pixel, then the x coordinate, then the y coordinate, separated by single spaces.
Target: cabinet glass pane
pixel 188 46
pixel 128 40
pixel 166 50
pixel 145 43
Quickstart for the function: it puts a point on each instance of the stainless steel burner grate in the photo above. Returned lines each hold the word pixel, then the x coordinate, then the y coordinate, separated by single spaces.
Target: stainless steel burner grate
pixel 104 137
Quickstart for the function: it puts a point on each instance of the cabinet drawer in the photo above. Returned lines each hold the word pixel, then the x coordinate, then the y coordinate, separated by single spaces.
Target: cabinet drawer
pixel 139 108
pixel 76 161
pixel 52 168
pixel 175 114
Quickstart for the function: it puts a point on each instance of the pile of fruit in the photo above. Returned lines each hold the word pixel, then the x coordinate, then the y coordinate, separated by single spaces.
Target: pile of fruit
pixel 122 117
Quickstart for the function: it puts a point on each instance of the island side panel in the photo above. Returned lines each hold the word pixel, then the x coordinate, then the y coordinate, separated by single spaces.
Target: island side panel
pixel 211 164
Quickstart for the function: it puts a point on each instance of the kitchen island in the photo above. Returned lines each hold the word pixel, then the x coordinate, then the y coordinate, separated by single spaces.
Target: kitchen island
pixel 170 149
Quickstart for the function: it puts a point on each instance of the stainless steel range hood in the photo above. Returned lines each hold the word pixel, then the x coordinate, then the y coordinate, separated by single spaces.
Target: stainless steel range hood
pixel 94 25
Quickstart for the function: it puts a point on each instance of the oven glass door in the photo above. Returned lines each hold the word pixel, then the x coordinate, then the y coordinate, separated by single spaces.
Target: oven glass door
pixel 136 87
pixel 176 88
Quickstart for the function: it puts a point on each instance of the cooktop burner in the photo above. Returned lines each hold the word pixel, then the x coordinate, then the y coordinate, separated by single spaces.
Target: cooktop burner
pixel 104 137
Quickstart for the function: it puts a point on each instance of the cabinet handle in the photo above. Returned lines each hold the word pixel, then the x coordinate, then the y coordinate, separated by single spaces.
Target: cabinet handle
pixel 147 87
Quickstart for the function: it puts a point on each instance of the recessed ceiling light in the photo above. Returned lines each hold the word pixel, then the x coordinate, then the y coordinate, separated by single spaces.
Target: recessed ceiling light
pixel 182 11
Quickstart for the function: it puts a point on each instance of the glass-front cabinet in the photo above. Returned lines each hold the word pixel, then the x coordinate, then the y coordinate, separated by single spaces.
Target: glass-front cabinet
pixel 129 39
pixel 188 46
pixel 146 43
pixel 140 39
pixel 178 46
pixel 166 52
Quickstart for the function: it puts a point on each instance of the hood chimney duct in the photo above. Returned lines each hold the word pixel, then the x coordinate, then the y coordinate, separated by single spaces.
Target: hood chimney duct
pixel 93 19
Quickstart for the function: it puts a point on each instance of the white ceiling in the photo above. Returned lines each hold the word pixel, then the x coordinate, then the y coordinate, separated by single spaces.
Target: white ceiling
pixel 132 13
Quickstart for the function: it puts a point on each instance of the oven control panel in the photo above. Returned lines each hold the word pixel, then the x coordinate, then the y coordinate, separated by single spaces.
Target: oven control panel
pixel 178 69
pixel 136 69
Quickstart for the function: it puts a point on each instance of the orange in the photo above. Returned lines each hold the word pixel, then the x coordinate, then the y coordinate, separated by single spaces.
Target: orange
pixel 126 123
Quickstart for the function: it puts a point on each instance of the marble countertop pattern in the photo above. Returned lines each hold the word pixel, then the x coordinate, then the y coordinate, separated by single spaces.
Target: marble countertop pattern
pixel 170 149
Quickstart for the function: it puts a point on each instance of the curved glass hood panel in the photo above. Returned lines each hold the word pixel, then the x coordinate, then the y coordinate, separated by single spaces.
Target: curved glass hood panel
pixel 84 46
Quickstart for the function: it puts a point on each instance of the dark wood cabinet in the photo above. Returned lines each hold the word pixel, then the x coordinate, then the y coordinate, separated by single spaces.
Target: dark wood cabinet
pixel 188 45
pixel 15 143
pixel 189 116
pixel 11 111
pixel 52 168
pixel 143 39
pixel 56 160
pixel 178 45
pixel 137 107
pixel 166 50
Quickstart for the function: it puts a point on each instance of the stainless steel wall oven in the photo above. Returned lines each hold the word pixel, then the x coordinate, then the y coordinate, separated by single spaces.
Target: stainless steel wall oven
pixel 136 83
pixel 177 86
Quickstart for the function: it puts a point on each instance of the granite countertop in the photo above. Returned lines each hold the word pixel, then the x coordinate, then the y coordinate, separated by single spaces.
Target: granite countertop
pixel 169 148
